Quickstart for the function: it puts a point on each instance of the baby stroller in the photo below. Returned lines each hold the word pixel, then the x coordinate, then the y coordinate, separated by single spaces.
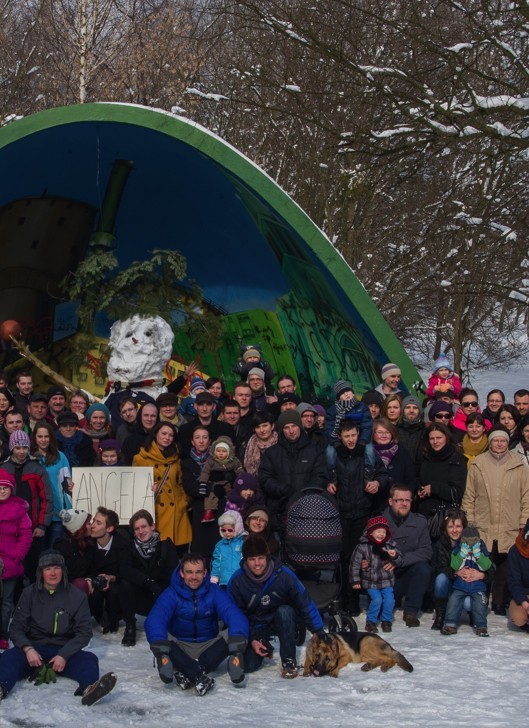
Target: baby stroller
pixel 312 541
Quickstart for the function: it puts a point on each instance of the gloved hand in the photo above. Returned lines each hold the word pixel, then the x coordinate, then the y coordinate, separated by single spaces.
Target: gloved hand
pixel 464 550
pixel 161 649
pixel 476 551
pixel 236 646
pixel 324 636
pixel 203 489
pixel 44 676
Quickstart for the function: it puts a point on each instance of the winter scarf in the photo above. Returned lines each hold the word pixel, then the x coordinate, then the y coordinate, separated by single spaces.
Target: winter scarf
pixel 342 408
pixel 199 457
pixel 472 449
pixel 264 576
pixel 522 545
pixel 387 452
pixel 69 445
pixel 254 450
pixel 147 548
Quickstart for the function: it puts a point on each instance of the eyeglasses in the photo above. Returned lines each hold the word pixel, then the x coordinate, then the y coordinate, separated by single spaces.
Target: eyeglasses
pixel 443 417
pixel 227 530
pixel 401 500
pixel 469 404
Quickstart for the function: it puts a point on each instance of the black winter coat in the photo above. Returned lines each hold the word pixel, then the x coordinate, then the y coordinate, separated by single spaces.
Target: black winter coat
pixel 287 468
pixel 446 472
pixel 349 476
pixel 411 436
pixel 401 470
pixel 79 563
pixel 153 573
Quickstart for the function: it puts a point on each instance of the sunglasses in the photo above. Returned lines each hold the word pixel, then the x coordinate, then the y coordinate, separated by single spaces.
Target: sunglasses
pixel 469 404
pixel 443 417
pixel 227 530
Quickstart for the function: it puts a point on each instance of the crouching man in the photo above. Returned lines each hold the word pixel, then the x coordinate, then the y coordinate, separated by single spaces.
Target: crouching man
pixel 273 599
pixel 190 609
pixel 50 627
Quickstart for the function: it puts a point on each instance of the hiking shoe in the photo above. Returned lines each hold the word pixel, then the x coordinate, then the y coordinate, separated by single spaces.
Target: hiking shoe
pixel 289 669
pixel 448 630
pixel 411 620
pixel 129 636
pixel 208 517
pixel 93 693
pixel 386 627
pixel 236 668
pixel 371 627
pixel 4 645
pixel 183 682
pixel 203 684
pixel 481 631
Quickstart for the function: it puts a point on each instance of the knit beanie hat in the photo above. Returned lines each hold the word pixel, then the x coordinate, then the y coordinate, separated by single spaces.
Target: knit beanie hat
pixel 250 353
pixel 258 513
pixel 18 438
pixel 373 524
pixel 97 407
pixel 389 370
pixel 73 519
pixel 246 480
pixel 223 444
pixel 197 385
pixel 440 407
pixel 341 387
pixel 470 535
pixel 320 411
pixel 304 407
pixel 495 432
pixel 7 479
pixel 373 397
pixel 55 389
pixel 288 397
pixel 67 418
pixel 410 399
pixel 255 545
pixel 109 445
pixel 441 363
pixel 288 417
pixel 256 372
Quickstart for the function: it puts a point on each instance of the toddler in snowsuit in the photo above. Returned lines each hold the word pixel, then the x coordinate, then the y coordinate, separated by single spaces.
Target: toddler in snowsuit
pixel 251 358
pixel 228 551
pixel 222 460
pixel 378 549
pixel 245 493
pixel 443 379
pixel 472 552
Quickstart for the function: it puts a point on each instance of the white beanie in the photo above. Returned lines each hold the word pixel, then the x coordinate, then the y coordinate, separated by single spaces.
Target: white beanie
pixel 73 519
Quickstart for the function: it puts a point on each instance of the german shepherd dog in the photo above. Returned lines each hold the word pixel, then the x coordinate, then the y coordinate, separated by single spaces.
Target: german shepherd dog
pixel 328 659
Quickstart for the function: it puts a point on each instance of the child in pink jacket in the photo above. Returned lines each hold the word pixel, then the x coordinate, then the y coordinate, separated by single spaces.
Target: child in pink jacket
pixel 15 540
pixel 443 379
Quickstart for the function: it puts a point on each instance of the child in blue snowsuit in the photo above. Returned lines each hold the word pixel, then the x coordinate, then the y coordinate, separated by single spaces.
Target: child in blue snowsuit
pixel 227 554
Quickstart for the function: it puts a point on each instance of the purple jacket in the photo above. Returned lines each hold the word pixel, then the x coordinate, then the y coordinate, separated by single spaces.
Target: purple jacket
pixel 15 535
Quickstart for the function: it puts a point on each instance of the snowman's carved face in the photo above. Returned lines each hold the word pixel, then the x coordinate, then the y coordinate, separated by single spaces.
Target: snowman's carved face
pixel 140 346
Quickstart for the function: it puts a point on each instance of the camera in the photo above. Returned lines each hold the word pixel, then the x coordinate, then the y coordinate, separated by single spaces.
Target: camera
pixel 99 582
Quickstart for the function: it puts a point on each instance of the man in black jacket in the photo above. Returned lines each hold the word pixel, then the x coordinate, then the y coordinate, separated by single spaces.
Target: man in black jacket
pixel 104 583
pixel 289 466
pixel 145 569
pixel 357 484
pixel 50 627
pixel 204 405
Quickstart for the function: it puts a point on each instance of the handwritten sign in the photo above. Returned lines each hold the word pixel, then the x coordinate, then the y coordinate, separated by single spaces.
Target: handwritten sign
pixel 123 490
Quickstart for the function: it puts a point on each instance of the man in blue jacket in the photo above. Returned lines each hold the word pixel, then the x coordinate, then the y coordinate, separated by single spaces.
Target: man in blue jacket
pixel 190 609
pixel 274 599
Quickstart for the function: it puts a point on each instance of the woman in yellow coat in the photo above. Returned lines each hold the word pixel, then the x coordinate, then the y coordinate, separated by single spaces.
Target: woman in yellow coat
pixel 171 503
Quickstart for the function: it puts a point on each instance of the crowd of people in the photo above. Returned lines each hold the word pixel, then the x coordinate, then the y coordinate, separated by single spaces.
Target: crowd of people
pixel 433 499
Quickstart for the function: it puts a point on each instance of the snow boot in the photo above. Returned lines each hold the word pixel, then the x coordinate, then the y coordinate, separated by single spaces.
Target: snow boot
pixel 208 517
pixel 440 609
pixel 129 636
pixel 203 684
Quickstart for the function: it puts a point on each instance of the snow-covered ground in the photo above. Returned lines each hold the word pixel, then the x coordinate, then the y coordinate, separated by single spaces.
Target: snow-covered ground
pixel 462 680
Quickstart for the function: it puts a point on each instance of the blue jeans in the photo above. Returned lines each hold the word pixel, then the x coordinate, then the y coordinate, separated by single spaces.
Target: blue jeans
pixel 284 626
pixel 443 588
pixel 456 601
pixel 381 598
pixel 54 531
pixel 82 666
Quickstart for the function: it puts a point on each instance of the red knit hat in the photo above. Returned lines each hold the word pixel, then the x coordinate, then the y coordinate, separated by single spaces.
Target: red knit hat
pixel 373 524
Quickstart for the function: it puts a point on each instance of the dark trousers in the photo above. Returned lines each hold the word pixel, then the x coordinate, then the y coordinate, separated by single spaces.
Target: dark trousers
pixel 31 559
pixel 412 582
pixel 499 591
pixel 134 600
pixel 284 627
pixel 206 662
pixel 83 667
pixel 108 602
pixel 352 529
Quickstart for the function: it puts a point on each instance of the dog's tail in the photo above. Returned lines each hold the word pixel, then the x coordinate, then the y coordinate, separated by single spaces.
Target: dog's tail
pixel 402 661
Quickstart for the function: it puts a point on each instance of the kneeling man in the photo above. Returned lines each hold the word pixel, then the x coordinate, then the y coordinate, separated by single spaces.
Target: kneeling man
pixel 274 600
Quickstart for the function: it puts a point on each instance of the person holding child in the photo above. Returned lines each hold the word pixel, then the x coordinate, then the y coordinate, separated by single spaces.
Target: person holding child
pixel 471 552
pixel 223 463
pixel 367 571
